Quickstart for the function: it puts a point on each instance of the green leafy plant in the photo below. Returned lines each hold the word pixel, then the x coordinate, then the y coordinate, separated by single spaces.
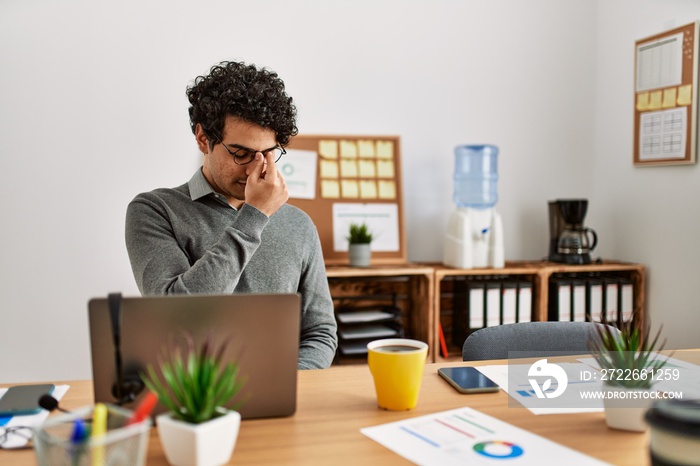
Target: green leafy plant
pixel 628 358
pixel 194 383
pixel 360 234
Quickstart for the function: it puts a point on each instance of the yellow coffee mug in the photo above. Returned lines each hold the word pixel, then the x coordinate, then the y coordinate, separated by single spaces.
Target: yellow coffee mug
pixel 397 366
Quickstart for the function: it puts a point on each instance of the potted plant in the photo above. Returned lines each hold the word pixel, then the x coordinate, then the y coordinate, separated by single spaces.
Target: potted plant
pixel 629 362
pixel 195 385
pixel 359 239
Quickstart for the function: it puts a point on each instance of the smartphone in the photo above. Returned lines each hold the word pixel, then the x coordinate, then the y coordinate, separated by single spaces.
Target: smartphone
pixel 468 380
pixel 20 400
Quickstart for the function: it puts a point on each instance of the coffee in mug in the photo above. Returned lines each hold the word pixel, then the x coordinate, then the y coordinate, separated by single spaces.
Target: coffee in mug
pixel 397 366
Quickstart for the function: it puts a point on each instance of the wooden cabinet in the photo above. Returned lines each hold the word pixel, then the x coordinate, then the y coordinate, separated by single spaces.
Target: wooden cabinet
pixel 424 293
pixel 409 287
pixel 539 274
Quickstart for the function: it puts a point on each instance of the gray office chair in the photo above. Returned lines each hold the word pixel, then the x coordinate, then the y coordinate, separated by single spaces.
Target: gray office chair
pixel 533 339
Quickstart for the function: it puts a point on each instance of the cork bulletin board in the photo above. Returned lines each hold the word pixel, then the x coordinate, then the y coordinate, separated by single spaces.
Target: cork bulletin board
pixel 339 180
pixel 666 95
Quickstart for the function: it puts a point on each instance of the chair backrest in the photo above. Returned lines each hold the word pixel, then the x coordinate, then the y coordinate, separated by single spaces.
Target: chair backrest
pixel 533 339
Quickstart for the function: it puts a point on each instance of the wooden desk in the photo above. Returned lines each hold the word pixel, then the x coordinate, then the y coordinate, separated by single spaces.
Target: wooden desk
pixel 334 404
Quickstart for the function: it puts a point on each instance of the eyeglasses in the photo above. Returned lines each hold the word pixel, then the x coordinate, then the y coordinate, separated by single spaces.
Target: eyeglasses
pixel 243 155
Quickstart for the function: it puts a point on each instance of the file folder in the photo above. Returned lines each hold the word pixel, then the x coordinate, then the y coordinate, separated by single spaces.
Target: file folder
pixel 560 300
pixel 524 304
pixel 625 303
pixel 578 300
pixel 476 305
pixel 509 299
pixel 594 299
pixel 610 298
pixel 493 304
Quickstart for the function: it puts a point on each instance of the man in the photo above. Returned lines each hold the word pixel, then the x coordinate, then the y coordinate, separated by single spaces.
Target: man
pixel 229 229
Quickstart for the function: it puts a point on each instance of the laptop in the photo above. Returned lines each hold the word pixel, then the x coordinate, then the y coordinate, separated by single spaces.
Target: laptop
pixel 262 329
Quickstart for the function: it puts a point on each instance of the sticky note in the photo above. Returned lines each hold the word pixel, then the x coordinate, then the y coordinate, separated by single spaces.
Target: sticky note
pixel 328 149
pixel 329 169
pixel 330 189
pixel 385 168
pixel 367 169
pixel 669 98
pixel 348 149
pixel 642 101
pixel 655 100
pixel 685 94
pixel 368 190
pixel 387 189
pixel 348 168
pixel 385 149
pixel 366 148
pixel 349 189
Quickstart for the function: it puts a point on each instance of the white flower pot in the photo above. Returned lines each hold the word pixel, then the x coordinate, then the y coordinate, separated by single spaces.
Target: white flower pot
pixel 626 411
pixel 359 254
pixel 207 444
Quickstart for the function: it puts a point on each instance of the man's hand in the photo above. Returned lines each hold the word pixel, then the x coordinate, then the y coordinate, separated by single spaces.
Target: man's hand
pixel 265 189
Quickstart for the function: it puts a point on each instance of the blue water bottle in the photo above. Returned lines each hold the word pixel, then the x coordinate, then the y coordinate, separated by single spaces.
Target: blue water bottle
pixel 476 176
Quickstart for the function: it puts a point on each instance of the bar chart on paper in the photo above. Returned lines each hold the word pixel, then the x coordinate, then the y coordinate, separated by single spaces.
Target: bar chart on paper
pixel 466 436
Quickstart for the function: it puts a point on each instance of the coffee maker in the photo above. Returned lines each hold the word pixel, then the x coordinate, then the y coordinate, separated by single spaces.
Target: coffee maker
pixel 570 242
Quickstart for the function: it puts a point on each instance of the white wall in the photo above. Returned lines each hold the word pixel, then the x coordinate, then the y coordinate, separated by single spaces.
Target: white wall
pixel 93 111
pixel 645 214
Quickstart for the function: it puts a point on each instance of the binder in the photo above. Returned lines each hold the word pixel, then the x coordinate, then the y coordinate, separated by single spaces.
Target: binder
pixel 594 299
pixel 625 302
pixel 493 303
pixel 477 308
pixel 460 310
pixel 610 298
pixel 509 298
pixel 559 299
pixel 578 300
pixel 524 304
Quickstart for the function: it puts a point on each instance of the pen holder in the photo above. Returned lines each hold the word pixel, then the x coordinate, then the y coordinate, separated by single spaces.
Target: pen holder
pixel 120 445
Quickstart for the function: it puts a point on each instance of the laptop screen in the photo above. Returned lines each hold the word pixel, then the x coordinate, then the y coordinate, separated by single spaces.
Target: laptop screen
pixel 262 332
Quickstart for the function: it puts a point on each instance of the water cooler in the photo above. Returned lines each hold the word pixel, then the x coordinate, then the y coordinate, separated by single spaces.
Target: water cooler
pixel 475 231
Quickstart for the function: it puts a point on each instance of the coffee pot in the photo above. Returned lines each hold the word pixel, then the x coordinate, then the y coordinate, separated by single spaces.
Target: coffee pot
pixel 570 241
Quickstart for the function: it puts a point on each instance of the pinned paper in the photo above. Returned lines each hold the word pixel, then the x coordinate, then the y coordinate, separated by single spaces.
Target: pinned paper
pixel 385 149
pixel 349 189
pixel 366 148
pixel 685 94
pixel 329 169
pixel 385 168
pixel 655 99
pixel 328 149
pixel 387 190
pixel 348 149
pixel 330 189
pixel 368 190
pixel 669 98
pixel 642 101
pixel 348 168
pixel 367 169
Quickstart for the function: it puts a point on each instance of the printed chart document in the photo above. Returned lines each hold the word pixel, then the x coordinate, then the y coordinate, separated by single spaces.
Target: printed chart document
pixel 466 436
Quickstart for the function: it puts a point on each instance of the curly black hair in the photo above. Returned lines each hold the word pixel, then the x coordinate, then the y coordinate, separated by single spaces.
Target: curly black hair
pixel 244 91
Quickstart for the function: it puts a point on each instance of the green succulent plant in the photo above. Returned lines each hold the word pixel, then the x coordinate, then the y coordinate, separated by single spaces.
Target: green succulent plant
pixel 194 383
pixel 360 234
pixel 631 355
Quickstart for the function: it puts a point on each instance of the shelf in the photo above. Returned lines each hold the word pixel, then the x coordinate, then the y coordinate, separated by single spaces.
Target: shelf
pixel 425 306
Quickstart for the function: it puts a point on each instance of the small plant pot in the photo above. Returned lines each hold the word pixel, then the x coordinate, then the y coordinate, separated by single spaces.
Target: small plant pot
pixel 625 407
pixel 359 254
pixel 210 443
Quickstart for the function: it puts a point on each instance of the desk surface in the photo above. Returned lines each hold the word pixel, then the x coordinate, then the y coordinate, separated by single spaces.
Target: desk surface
pixel 334 404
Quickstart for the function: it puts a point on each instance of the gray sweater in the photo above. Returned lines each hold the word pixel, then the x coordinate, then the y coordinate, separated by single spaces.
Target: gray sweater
pixel 190 240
